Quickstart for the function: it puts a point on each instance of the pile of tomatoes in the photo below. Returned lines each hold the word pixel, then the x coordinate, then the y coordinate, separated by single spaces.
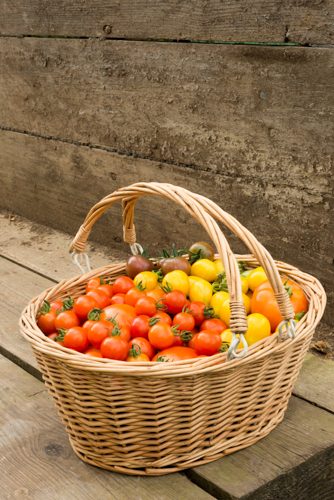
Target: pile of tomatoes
pixel 172 309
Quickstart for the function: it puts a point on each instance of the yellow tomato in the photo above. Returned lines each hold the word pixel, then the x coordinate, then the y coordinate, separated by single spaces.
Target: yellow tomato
pixel 226 337
pixel 219 266
pixel 218 300
pixel 225 312
pixel 258 327
pixel 204 268
pixel 244 284
pixel 256 277
pixel 176 280
pixel 146 280
pixel 200 289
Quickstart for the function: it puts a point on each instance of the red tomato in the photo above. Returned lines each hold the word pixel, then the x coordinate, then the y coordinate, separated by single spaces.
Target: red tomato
pixel 53 335
pixel 134 356
pixel 200 311
pixel 184 321
pixel 140 326
pixel 100 297
pixel 214 325
pixel 174 301
pixel 106 289
pixel 66 320
pixel 56 305
pixel 133 295
pixel 122 285
pixel 88 324
pixel 114 348
pixel 46 320
pixel 206 342
pixel 161 316
pixel 142 345
pixel 76 338
pixel 175 354
pixel 118 298
pixel 91 351
pixel 146 305
pixel 122 313
pixel 84 304
pixel 93 283
pixel 99 331
pixel 161 336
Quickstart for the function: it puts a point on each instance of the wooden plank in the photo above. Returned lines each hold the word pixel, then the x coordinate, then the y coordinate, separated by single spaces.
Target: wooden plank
pixel 257 21
pixel 316 382
pixel 288 208
pixel 38 463
pixel 293 461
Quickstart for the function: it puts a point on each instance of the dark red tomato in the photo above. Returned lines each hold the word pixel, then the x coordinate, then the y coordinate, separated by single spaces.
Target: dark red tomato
pixel 214 325
pixel 76 338
pixel 106 289
pixel 146 305
pixel 56 305
pixel 206 342
pixel 91 351
pixel 161 336
pixel 140 326
pixel 99 331
pixel 84 304
pixel 142 345
pixel 118 298
pixel 114 348
pixel 133 295
pixel 161 316
pixel 122 284
pixel 93 283
pixel 66 320
pixel 200 311
pixel 100 297
pixel 184 321
pixel 174 301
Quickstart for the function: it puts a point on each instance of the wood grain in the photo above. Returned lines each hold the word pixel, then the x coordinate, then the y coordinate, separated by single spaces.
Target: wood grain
pixel 288 209
pixel 38 463
pixel 257 21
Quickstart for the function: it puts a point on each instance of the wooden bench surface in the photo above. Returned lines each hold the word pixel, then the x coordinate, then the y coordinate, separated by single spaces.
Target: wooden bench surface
pixel 292 462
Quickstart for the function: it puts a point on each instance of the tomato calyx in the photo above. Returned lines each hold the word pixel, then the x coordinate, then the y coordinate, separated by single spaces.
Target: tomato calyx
pixel 67 304
pixel 94 314
pixel 224 347
pixel 220 285
pixel 300 315
pixel 209 312
pixel 61 334
pixel 159 274
pixel 184 335
pixel 135 351
pixel 288 288
pixel 153 321
pixel 140 286
pixel 162 359
pixel 167 288
pixel 174 252
pixel 46 307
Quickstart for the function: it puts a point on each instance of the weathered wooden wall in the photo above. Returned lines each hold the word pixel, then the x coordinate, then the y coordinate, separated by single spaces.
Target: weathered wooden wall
pixel 95 95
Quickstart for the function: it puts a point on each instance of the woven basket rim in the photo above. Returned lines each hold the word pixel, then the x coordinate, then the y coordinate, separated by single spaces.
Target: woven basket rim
pixel 195 366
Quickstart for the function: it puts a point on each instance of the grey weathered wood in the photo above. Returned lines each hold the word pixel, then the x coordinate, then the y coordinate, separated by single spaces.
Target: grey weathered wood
pixel 38 463
pixel 286 205
pixel 256 21
pixel 316 382
pixel 293 461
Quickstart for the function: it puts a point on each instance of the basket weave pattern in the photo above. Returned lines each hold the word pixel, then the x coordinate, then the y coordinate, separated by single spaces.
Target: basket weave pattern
pixel 156 418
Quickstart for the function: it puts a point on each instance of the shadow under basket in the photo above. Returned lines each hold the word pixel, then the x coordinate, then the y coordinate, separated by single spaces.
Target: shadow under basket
pixel 156 418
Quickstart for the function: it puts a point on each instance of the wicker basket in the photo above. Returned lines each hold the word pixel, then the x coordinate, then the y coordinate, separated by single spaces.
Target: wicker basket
pixel 156 418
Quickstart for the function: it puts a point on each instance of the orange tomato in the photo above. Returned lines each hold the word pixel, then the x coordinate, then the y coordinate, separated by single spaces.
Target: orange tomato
pixel 122 313
pixel 176 353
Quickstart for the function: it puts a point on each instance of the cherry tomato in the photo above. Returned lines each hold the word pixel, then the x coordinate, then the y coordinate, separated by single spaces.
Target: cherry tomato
pixel 93 283
pixel 106 289
pixel 214 325
pixel 143 346
pixel 99 331
pixel 114 348
pixel 88 324
pixel 123 313
pixel 174 301
pixel 175 354
pixel 76 338
pixel 156 294
pixel 206 342
pixel 146 305
pixel 176 280
pixel 66 320
pixel 161 316
pixel 91 351
pixel 100 297
pixel 134 356
pixel 184 321
pixel 161 336
pixel 84 304
pixel 264 302
pixel 133 295
pixel 53 335
pixel 140 326
pixel 46 319
pixel 200 311
pixel 146 280
pixel 56 305
pixel 118 298
pixel 122 284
